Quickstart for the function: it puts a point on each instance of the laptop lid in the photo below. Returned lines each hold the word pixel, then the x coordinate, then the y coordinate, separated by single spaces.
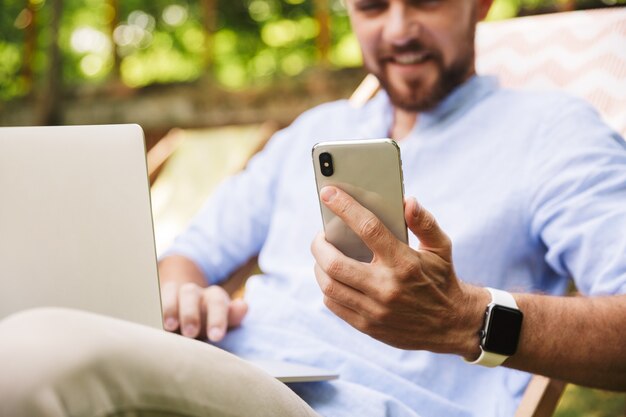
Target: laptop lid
pixel 76 228
pixel 75 222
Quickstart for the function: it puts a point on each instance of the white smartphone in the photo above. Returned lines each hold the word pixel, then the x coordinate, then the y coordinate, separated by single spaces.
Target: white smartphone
pixel 371 172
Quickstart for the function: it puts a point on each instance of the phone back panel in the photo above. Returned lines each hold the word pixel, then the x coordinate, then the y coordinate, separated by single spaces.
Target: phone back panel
pixel 371 172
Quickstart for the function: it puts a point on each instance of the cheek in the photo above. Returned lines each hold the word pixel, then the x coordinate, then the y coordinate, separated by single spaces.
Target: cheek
pixel 451 45
pixel 368 38
pixel 369 58
pixel 455 39
pixel 448 29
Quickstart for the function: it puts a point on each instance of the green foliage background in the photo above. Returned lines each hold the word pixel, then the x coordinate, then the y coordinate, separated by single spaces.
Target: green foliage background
pixel 585 402
pixel 163 41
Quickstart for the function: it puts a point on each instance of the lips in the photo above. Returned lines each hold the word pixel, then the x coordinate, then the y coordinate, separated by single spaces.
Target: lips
pixel 410 58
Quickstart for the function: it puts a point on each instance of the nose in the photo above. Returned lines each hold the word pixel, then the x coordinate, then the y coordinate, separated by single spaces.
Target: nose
pixel 402 24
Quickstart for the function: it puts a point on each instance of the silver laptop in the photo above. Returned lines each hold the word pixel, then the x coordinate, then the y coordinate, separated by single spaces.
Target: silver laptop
pixel 76 227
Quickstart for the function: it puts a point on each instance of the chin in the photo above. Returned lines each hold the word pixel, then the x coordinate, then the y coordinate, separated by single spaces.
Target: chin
pixel 427 90
pixel 415 98
pixel 420 96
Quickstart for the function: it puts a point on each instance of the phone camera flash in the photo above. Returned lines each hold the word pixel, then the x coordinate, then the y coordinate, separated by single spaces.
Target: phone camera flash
pixel 326 164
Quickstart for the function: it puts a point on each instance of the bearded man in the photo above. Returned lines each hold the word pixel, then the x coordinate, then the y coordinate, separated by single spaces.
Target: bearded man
pixel 526 191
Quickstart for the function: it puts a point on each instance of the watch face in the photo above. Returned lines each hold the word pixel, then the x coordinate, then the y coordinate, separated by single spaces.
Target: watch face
pixel 502 330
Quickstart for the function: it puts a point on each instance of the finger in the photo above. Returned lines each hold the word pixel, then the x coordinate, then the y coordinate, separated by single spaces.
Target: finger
pixel 169 299
pixel 362 221
pixel 425 227
pixel 337 290
pixel 189 306
pixel 217 301
pixel 347 296
pixel 348 315
pixel 339 266
pixel 236 312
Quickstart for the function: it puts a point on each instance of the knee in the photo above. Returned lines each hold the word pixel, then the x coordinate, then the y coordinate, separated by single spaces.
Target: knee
pixel 39 330
pixel 41 350
pixel 41 337
pixel 39 317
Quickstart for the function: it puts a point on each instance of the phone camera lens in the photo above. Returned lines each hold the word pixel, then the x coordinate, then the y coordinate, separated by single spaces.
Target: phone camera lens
pixel 326 164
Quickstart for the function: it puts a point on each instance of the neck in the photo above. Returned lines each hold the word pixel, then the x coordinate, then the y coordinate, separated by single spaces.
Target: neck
pixel 403 122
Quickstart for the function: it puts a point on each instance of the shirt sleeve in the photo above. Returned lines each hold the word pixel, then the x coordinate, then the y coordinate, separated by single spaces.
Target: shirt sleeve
pixel 233 224
pixel 578 203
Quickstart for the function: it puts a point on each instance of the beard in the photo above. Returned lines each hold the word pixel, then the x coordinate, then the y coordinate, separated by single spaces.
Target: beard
pixel 418 94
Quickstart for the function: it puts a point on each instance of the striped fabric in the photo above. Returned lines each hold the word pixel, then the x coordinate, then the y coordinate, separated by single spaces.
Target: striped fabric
pixel 583 53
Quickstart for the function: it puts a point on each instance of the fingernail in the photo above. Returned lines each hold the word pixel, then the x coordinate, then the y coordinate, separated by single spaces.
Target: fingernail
pixel 190 330
pixel 215 334
pixel 171 323
pixel 415 207
pixel 327 194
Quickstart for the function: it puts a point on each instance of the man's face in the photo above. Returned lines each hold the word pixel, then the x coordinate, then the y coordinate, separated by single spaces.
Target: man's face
pixel 420 50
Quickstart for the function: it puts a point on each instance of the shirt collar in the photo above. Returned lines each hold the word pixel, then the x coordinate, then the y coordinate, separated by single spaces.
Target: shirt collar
pixel 378 114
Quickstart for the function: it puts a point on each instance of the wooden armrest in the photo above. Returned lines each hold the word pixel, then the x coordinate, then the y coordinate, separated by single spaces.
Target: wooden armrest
pixel 234 284
pixel 160 153
pixel 541 397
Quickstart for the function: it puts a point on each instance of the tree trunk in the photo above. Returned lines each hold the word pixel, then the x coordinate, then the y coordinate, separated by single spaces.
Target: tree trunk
pixel 566 5
pixel 49 108
pixel 322 16
pixel 209 20
pixel 115 20
pixel 30 44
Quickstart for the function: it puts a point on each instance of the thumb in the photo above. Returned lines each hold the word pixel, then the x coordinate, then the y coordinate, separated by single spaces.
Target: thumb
pixel 237 310
pixel 424 226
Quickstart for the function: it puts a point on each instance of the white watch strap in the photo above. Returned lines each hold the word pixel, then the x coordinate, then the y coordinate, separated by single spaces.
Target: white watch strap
pixel 490 359
pixel 502 298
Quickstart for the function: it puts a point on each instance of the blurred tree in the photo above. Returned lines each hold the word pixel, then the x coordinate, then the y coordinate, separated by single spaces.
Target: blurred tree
pixel 114 21
pixel 48 103
pixel 209 14
pixel 30 42
pixel 324 37
pixel 141 42
pixel 13 22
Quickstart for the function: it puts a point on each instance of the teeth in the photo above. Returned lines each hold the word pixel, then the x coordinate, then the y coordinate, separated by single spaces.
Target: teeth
pixel 411 58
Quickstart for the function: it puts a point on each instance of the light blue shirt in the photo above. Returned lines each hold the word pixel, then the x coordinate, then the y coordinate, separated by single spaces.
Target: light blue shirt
pixel 531 188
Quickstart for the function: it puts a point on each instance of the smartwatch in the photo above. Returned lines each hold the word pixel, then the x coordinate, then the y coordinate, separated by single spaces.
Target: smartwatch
pixel 501 329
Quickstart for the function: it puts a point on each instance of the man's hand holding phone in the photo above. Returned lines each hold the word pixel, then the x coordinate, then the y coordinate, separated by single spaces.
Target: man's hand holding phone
pixel 407 298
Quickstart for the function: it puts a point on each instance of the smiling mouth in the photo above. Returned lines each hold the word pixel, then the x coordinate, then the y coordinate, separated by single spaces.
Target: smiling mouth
pixel 410 58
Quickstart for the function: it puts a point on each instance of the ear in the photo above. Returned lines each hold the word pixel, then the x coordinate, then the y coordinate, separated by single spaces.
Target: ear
pixel 483 8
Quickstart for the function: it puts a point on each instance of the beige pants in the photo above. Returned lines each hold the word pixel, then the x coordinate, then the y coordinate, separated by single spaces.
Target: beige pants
pixel 57 362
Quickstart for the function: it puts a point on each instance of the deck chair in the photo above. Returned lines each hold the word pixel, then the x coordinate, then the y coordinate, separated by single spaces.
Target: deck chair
pixel 580 52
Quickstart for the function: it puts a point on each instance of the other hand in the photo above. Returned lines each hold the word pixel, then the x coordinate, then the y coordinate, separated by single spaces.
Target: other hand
pixel 197 311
